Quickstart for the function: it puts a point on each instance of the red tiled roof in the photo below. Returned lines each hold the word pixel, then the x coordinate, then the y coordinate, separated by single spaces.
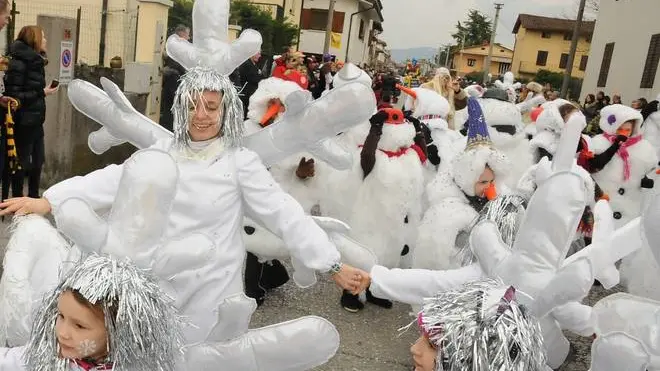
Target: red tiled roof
pixel 540 23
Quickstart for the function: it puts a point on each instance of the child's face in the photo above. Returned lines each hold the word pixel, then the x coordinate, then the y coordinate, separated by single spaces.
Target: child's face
pixel 485 180
pixel 424 354
pixel 80 330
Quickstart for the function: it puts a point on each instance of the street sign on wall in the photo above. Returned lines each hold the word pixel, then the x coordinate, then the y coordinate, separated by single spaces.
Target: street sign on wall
pixel 66 62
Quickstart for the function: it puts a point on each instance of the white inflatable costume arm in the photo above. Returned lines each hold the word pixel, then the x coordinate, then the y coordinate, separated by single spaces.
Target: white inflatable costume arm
pixel 301 344
pixel 12 359
pixel 531 103
pixel 412 286
pixel 33 258
pixel 544 237
pixel 304 127
pixel 210 47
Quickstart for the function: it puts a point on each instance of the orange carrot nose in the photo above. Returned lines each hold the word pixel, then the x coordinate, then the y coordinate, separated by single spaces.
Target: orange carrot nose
pixel 625 132
pixel 407 91
pixel 273 110
pixel 657 171
pixel 491 192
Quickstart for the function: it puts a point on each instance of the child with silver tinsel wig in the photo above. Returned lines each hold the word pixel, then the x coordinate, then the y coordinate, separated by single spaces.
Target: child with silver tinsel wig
pixel 480 327
pixel 104 315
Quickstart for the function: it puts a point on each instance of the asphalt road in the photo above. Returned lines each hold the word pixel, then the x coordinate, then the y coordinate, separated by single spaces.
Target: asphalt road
pixel 370 340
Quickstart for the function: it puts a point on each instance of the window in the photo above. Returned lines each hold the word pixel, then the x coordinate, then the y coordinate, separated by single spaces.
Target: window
pixel 361 32
pixel 583 62
pixel 568 36
pixel 605 65
pixel 317 19
pixel 504 68
pixel 546 35
pixel 541 58
pixel 472 62
pixel 563 61
pixel 652 60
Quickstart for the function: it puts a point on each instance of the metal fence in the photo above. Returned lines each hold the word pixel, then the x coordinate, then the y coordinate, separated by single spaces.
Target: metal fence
pixel 120 27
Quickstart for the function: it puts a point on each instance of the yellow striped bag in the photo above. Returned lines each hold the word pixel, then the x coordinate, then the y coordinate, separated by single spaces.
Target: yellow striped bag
pixel 12 155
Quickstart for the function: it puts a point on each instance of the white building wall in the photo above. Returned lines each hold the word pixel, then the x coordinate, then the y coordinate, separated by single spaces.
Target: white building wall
pixel 312 41
pixel 630 25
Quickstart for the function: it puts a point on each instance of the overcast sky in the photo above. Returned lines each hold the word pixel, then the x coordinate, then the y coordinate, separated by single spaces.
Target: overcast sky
pixel 419 23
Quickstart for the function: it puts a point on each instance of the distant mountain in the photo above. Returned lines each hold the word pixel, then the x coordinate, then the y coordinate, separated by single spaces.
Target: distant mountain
pixel 401 55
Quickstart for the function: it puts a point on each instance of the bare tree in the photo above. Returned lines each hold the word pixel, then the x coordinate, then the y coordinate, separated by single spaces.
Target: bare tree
pixel 590 10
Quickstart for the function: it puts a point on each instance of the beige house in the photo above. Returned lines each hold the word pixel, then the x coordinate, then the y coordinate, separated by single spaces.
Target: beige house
pixel 131 26
pixel 543 43
pixel 473 59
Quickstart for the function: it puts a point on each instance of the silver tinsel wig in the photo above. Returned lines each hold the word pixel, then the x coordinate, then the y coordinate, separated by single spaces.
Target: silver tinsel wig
pixel 507 212
pixel 144 336
pixel 482 327
pixel 194 83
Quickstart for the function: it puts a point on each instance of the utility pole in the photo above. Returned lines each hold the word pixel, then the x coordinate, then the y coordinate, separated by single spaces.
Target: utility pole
pixel 498 7
pixel 328 28
pixel 447 55
pixel 571 53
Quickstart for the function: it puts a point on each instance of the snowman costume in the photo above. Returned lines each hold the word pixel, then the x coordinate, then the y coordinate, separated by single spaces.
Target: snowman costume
pixel 451 197
pixel 432 109
pixel 623 179
pixel 505 128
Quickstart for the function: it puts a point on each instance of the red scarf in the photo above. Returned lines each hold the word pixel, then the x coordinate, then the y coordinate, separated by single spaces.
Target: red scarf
pixel 623 151
pixel 87 366
pixel 403 151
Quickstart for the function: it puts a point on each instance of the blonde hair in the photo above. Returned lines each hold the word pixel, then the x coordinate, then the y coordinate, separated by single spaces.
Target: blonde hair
pixel 32 36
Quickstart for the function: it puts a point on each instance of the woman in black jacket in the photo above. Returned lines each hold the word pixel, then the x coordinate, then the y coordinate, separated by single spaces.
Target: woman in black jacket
pixel 25 81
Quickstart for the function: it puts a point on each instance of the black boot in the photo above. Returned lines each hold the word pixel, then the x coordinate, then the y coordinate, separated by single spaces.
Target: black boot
pixel 253 273
pixel 273 275
pixel 351 303
pixel 383 303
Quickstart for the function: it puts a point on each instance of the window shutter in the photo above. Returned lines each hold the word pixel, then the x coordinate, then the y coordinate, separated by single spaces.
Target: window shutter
pixel 605 65
pixel 583 62
pixel 338 22
pixel 652 61
pixel 306 19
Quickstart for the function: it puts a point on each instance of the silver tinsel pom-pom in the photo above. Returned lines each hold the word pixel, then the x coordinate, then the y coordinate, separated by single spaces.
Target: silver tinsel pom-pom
pixel 194 83
pixel 473 335
pixel 506 212
pixel 144 336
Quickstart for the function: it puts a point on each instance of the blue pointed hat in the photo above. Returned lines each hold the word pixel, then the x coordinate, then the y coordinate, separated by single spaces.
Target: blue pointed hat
pixel 477 132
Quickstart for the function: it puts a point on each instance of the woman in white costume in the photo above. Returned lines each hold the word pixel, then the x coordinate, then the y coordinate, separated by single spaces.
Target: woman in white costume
pixel 443 84
pixel 217 181
pixel 457 195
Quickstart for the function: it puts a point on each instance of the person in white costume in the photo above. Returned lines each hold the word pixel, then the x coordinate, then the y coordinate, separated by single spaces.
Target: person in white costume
pixel 535 265
pixel 443 84
pixel 215 182
pixel 549 125
pixel 387 206
pixel 630 172
pixel 627 325
pixel 432 110
pixel 509 86
pixel 457 195
pixel 505 128
pixel 104 314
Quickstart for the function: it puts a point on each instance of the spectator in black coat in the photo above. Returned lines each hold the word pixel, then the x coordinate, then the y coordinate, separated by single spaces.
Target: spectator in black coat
pixel 172 72
pixel 250 75
pixel 25 81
